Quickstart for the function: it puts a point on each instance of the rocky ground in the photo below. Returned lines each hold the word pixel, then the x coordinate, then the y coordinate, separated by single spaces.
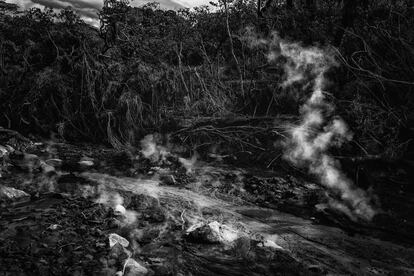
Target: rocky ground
pixel 88 210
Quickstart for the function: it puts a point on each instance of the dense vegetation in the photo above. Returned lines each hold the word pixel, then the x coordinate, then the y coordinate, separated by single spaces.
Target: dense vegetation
pixel 146 69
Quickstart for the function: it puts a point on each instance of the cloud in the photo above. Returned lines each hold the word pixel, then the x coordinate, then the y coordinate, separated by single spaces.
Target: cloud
pixel 84 4
pixel 88 9
pixel 83 8
pixel 24 4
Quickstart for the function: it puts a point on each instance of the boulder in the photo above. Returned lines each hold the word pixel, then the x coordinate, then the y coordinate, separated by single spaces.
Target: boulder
pixel 212 233
pixel 12 195
pixel 133 268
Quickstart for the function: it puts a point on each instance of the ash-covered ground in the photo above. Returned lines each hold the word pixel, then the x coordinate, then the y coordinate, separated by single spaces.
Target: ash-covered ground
pixel 89 210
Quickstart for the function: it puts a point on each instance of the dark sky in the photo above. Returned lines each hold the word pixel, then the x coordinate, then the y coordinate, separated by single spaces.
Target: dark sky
pixel 88 8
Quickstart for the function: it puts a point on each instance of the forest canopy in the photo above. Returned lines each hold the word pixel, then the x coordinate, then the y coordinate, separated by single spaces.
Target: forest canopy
pixel 147 69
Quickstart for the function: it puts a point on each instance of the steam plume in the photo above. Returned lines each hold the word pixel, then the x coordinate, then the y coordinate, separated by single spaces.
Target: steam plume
pixel 318 130
pixel 152 150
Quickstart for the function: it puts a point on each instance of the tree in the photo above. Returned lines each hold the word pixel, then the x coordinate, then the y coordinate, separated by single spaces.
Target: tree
pixel 348 15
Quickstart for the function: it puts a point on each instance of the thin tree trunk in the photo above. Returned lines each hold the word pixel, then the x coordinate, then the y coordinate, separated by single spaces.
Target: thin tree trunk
pixel 347 20
pixel 232 47
pixel 179 53
pixel 262 11
pixel 259 9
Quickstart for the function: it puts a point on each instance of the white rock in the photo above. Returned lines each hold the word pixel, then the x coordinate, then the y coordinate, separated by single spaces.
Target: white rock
pixel 3 151
pixel 55 162
pixel 86 163
pixel 226 234
pixel 46 168
pixel 194 227
pixel 133 268
pixel 115 238
pixel 272 244
pixel 120 209
pixel 54 226
pixel 214 232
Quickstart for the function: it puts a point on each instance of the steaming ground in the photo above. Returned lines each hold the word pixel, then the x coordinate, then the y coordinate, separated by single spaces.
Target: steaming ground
pixel 183 215
pixel 325 248
pixel 319 129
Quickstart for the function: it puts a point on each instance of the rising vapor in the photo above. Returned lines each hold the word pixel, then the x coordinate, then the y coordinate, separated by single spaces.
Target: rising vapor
pixel 309 141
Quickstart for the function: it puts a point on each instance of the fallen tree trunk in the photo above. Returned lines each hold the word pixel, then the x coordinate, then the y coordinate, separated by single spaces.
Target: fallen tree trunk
pixel 192 123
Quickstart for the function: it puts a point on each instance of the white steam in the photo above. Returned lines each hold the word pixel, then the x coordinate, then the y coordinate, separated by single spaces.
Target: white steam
pixel 151 150
pixel 156 152
pixel 188 164
pixel 310 139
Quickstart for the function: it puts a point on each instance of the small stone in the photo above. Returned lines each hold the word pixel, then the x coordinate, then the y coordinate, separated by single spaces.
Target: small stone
pixel 86 162
pixel 120 209
pixel 54 162
pixel 53 226
pixel 3 151
pixel 47 169
pixel 272 244
pixel 115 238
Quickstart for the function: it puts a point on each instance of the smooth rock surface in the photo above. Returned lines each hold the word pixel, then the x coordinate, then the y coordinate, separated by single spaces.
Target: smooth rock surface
pixel 133 268
pixel 213 232
pixel 115 238
pixel 9 194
